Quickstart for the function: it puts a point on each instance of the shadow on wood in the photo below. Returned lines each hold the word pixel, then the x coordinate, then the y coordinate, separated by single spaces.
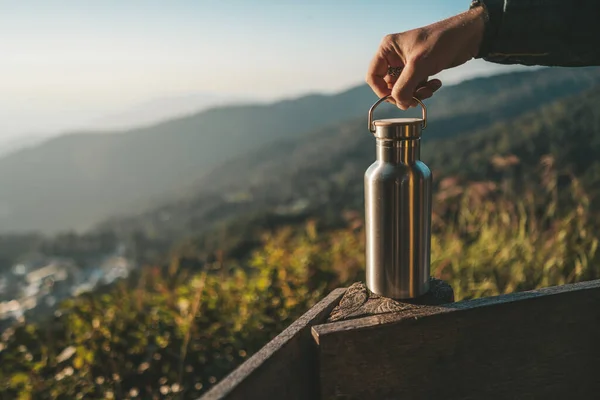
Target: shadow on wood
pixel 286 368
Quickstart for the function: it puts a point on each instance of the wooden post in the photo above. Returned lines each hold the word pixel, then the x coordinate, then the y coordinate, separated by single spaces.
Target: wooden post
pixel 532 345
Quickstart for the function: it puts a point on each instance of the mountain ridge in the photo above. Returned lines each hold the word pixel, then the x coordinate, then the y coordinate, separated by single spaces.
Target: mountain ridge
pixel 81 179
pixel 340 154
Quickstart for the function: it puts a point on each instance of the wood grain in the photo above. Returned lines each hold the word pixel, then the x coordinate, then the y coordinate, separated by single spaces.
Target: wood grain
pixel 359 301
pixel 542 344
pixel 286 368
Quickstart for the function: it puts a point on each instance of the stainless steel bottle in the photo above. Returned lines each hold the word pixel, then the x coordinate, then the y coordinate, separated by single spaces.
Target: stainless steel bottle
pixel 398 209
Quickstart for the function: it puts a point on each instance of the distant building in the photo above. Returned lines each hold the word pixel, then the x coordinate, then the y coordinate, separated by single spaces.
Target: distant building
pixel 10 309
pixel 53 270
pixel 115 268
pixel 19 269
pixel 40 283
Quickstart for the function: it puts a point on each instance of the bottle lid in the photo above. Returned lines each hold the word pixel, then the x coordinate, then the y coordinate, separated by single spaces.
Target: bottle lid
pixel 397 128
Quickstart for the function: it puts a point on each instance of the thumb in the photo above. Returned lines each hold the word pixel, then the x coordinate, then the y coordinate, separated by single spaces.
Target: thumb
pixel 406 86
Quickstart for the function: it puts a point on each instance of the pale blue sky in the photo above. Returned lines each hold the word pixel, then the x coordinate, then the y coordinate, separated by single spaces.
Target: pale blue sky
pixel 67 59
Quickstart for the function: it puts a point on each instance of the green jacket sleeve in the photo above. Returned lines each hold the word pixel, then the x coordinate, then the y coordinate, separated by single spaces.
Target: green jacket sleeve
pixel 542 32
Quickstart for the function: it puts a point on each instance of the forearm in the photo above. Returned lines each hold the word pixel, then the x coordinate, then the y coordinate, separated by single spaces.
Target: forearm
pixel 542 32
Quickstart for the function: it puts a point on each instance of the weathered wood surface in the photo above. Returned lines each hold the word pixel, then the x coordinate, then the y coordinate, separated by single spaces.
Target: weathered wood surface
pixel 543 344
pixel 359 301
pixel 286 368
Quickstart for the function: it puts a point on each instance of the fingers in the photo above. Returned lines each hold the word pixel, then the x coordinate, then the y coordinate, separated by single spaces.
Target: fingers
pixel 377 75
pixel 424 91
pixel 390 80
pixel 406 86
pixel 412 82
pixel 428 89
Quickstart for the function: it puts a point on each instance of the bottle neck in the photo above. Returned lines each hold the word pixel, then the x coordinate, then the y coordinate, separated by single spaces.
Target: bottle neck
pixel 399 151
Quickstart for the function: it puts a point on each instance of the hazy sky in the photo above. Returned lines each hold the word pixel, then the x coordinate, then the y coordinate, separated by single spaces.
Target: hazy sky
pixel 63 62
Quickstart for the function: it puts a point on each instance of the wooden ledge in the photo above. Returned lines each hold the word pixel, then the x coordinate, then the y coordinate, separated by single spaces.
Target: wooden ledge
pixel 534 345
pixel 537 344
pixel 405 312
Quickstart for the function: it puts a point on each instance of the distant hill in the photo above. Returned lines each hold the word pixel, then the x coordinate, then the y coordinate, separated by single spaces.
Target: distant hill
pixel 221 154
pixel 158 110
pixel 10 144
pixel 76 180
pixel 322 172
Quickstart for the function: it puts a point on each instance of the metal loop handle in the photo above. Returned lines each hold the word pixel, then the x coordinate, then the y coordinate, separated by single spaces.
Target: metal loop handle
pixel 374 106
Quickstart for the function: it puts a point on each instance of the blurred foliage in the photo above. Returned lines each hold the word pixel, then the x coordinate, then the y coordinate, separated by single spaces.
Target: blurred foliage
pixel 489 239
pixel 172 331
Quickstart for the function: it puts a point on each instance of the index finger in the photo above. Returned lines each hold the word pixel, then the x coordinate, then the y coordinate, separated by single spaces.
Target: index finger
pixel 375 76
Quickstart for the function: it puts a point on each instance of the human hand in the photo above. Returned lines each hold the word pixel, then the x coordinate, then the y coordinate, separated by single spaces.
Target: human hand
pixel 423 52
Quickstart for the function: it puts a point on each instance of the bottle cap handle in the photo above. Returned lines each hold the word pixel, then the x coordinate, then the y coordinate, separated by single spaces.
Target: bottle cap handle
pixel 374 106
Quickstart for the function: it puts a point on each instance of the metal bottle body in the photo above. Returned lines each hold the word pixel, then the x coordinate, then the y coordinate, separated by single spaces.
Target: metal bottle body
pixel 398 218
